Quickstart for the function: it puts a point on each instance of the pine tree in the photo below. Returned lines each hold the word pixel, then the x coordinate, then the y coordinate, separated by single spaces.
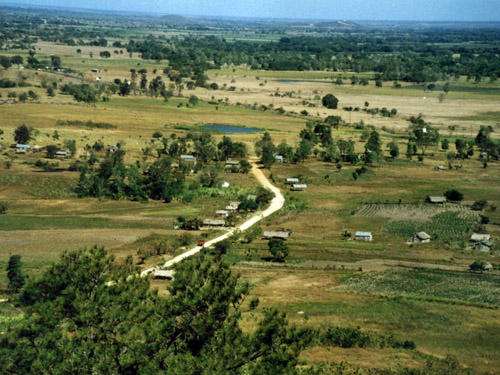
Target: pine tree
pixel 15 274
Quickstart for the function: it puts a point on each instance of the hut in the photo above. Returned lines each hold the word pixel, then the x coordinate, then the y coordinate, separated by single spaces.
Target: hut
pixel 421 237
pixel 292 180
pixel 440 168
pixel 299 187
pixel 282 234
pixel 221 213
pixel 436 200
pixel 279 158
pixel 214 222
pixel 22 149
pixel 163 274
pixel 363 236
pixel 188 159
pixel 232 206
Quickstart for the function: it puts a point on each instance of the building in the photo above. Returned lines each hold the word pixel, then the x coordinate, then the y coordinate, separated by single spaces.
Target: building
pixel 436 200
pixel 95 70
pixel 477 237
pixel 421 237
pixel 279 158
pixel 225 184
pixel 22 149
pixel 222 214
pixel 251 197
pixel 299 187
pixel 163 274
pixel 292 180
pixel 62 154
pixel 440 168
pixel 363 236
pixel 112 148
pixel 232 163
pixel 214 222
pixel 232 206
pixel 483 246
pixel 282 234
pixel 188 159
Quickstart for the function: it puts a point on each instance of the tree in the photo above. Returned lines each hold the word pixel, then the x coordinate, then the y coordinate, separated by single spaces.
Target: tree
pixel 15 274
pixel 453 195
pixel 55 61
pixel 5 62
pixel 479 265
pixel 330 101
pixel 445 144
pixel 88 315
pixel 193 100
pixel 22 134
pixel 424 134
pixel 373 144
pixel 393 149
pixel 245 166
pixel 278 249
pixel 51 151
pixel 105 54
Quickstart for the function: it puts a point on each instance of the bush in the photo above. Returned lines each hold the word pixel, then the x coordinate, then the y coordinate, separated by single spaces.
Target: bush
pixel 345 337
pixel 3 208
pixel 330 101
pixel 278 249
pixel 454 195
pixel 479 205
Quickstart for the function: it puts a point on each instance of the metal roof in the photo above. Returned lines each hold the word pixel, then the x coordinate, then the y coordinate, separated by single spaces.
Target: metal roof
pixel 363 234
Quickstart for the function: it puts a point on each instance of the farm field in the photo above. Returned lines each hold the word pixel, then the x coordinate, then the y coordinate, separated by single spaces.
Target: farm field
pixel 128 182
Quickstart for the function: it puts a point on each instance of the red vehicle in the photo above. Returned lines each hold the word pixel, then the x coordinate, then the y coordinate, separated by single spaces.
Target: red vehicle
pixel 201 242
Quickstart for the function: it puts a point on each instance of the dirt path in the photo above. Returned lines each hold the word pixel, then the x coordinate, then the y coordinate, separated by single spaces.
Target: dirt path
pixel 276 204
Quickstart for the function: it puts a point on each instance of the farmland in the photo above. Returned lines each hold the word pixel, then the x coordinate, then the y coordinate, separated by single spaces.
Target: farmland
pixel 130 118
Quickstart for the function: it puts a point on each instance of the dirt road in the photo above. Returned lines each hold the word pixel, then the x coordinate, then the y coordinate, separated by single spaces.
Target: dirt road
pixel 276 204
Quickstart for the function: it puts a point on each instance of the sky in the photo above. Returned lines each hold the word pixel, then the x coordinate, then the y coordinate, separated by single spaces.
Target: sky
pixel 401 10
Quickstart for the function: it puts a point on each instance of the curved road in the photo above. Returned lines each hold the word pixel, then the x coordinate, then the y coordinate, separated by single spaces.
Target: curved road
pixel 276 204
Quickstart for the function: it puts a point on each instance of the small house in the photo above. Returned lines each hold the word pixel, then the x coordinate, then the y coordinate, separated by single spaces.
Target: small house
pixel 62 154
pixel 188 159
pixel 251 197
pixel 478 237
pixel 440 168
pixel 214 222
pixel 292 180
pixel 483 246
pixel 22 149
pixel 225 184
pixel 163 274
pixel 232 206
pixel 436 200
pixel 232 163
pixel 95 70
pixel 299 187
pixel 279 158
pixel 97 79
pixel 363 236
pixel 37 148
pixel 421 237
pixel 282 234
pixel 112 148
pixel 222 214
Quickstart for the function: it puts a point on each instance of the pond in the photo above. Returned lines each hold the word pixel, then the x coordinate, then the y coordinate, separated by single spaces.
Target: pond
pixel 230 129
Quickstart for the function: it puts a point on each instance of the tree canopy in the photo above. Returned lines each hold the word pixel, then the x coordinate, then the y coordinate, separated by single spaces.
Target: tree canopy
pixel 88 315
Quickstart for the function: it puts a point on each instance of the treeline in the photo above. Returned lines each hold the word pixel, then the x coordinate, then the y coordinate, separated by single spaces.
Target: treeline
pixel 400 57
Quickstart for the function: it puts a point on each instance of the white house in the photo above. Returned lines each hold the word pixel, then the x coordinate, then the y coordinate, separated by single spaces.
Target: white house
pixel 363 236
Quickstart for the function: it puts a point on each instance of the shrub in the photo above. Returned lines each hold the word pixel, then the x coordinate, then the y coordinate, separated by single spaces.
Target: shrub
pixel 479 205
pixel 345 337
pixel 454 195
pixel 3 208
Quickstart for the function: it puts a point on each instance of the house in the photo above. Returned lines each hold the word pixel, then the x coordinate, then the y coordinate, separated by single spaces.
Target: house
pixel 477 237
pixel 222 214
pixel 163 274
pixel 421 237
pixel 97 79
pixel 280 233
pixel 279 158
pixel 232 206
pixel 112 148
pixel 292 180
pixel 62 154
pixel 440 168
pixel 22 149
pixel 363 236
pixel 225 184
pixel 483 154
pixel 188 159
pixel 251 197
pixel 299 187
pixel 436 200
pixel 214 222
pixel 95 70
pixel 483 246
pixel 232 163
pixel 37 148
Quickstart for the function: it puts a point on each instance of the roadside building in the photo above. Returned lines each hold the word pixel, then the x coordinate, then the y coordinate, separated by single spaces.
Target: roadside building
pixel 214 222
pixel 163 274
pixel 363 236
